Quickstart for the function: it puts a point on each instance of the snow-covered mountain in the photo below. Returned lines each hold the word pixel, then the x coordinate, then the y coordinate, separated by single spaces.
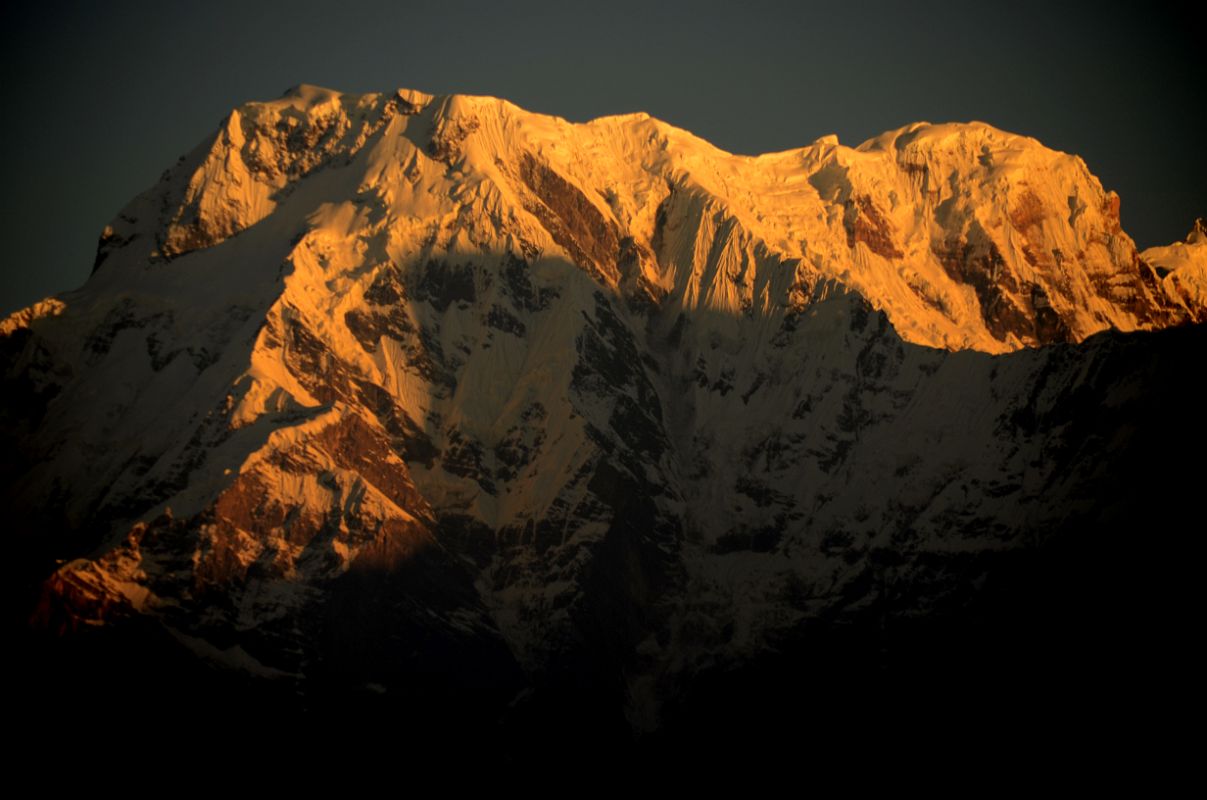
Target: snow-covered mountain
pixel 380 386
pixel 1182 267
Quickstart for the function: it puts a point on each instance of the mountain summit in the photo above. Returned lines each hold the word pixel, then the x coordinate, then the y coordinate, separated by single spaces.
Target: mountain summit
pixel 966 236
pixel 373 387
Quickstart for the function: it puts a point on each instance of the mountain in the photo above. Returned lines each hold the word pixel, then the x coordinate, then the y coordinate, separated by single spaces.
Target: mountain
pixel 1182 267
pixel 437 405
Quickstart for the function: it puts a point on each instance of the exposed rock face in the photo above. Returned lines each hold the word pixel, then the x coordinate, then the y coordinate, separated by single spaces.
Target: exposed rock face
pixel 375 387
pixel 1182 267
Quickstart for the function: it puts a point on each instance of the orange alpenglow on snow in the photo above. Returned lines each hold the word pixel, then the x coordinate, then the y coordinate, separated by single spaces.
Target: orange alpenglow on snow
pixel 578 370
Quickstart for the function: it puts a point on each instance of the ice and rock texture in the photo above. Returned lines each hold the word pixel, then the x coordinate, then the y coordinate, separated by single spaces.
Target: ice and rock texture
pixel 371 387
pixel 1182 267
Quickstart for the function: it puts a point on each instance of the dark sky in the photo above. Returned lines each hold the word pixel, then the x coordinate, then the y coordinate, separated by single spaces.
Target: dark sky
pixel 102 97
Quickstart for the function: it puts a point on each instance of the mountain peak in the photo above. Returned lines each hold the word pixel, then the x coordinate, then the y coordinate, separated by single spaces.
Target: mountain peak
pixel 1182 267
pixel 307 91
pixel 435 398
pixel 965 235
pixel 1198 234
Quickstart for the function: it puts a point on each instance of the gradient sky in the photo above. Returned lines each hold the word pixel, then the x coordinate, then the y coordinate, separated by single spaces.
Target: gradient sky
pixel 100 98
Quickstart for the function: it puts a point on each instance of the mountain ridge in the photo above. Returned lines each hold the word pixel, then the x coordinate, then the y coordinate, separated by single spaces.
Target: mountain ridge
pixel 369 387
pixel 953 262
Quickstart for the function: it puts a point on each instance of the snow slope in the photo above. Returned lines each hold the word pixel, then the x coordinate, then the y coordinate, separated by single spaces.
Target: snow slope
pixel 1182 267
pixel 599 404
